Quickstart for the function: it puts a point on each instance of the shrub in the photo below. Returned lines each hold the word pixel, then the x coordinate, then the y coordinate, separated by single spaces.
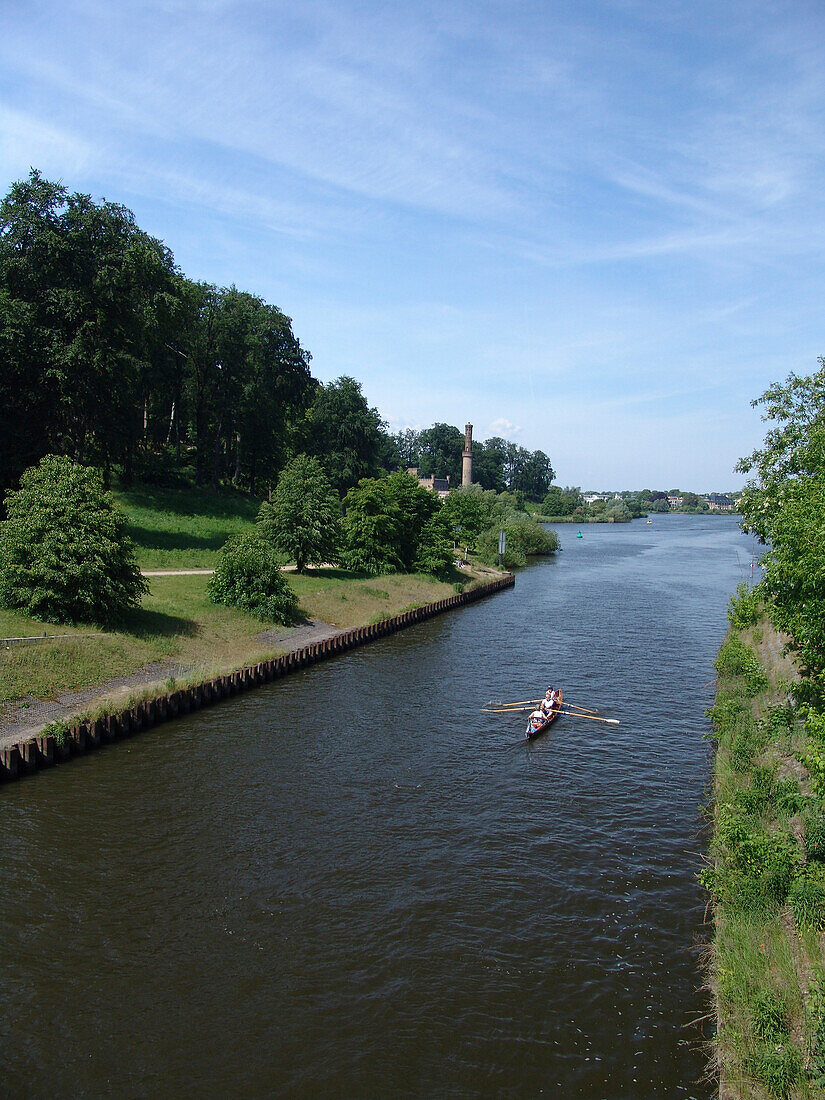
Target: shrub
pixel 753 869
pixel 768 1016
pixel 745 607
pixel 64 552
pixel 777 1068
pixel 806 899
pixel 737 659
pixel 249 576
pixel 813 824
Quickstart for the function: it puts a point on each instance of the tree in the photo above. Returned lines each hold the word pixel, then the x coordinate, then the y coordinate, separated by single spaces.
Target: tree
pixel 81 290
pixel 535 476
pixel 303 518
pixel 407 446
pixel 248 576
pixel 784 506
pixel 345 434
pixel 488 466
pixel 393 524
pixel 64 552
pixel 464 513
pixel 440 450
pixel 561 502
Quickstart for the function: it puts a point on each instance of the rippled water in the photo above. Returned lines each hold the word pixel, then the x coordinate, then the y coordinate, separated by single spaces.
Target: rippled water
pixel 352 883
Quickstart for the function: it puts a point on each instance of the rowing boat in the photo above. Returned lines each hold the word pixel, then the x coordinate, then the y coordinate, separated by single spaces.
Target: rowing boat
pixel 530 733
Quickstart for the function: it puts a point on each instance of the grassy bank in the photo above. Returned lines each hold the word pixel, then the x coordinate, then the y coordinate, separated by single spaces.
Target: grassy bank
pixel 184 528
pixel 179 624
pixel 766 877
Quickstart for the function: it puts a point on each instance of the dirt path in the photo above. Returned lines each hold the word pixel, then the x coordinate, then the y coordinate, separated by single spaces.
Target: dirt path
pixel 25 717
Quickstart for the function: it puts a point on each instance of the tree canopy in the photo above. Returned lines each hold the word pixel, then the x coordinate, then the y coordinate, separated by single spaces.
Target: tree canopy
pixel 64 552
pixel 303 518
pixel 784 506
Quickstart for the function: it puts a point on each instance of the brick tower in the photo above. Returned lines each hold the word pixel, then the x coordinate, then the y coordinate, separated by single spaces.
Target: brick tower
pixel 467 456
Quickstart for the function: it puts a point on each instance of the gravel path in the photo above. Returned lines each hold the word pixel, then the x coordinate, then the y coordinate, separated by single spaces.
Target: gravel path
pixel 25 717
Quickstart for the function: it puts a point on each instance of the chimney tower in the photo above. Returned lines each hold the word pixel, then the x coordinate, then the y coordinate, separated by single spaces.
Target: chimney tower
pixel 467 456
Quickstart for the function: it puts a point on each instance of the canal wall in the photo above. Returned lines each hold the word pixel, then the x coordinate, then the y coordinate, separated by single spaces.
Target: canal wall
pixel 44 751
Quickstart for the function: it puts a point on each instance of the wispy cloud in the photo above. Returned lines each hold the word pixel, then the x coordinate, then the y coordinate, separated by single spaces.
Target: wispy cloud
pixel 477 208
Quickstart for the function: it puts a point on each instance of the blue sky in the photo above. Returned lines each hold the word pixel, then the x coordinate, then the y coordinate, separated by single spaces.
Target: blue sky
pixel 595 228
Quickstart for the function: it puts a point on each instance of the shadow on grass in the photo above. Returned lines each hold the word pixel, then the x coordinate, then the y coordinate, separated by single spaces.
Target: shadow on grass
pixel 192 502
pixel 156 624
pixel 148 539
pixel 333 573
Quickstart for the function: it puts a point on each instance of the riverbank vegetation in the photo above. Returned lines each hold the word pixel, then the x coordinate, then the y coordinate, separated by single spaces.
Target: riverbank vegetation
pixel 179 625
pixel 766 872
pixel 570 505
pixel 112 356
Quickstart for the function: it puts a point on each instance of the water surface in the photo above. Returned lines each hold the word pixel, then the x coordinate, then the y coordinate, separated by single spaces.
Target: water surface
pixel 353 883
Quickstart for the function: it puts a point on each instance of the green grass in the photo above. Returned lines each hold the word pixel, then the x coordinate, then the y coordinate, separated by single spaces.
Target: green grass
pixel 347 600
pixel 766 950
pixel 179 624
pixel 184 528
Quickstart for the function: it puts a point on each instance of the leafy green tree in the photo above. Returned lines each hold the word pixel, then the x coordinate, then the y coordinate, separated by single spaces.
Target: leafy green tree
pixel 345 434
pixel 536 474
pixel 248 576
pixel 64 552
pixel 617 511
pixel 440 450
pixel 464 513
pixel 784 506
pixel 393 524
pixel 81 291
pixel 488 466
pixel 561 502
pixel 407 447
pixel 370 529
pixel 304 517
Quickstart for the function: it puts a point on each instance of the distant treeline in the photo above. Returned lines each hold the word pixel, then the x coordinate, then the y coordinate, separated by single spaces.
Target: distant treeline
pixel 111 355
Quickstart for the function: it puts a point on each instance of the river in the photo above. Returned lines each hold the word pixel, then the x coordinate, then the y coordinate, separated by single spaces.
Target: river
pixel 353 883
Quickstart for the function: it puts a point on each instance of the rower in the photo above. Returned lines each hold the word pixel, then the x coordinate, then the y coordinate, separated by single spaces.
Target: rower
pixel 548 703
pixel 536 720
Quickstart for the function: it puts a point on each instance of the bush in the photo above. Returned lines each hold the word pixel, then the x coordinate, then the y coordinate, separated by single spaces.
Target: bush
pixel 249 576
pixel 813 824
pixel 64 552
pixel 777 1068
pixel 737 659
pixel 806 899
pixel 753 869
pixel 745 607
pixel 768 1016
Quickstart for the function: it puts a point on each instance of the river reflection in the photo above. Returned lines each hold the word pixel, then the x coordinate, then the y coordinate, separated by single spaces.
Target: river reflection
pixel 353 883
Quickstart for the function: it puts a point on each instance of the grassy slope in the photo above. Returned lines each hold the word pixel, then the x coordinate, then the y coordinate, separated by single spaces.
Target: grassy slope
pixel 184 528
pixel 177 622
pixel 767 974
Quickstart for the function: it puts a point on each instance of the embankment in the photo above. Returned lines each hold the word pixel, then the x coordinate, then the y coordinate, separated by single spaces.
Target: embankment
pixel 766 878
pixel 85 734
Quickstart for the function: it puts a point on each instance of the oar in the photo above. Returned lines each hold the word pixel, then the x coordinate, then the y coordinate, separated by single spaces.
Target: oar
pixel 507 710
pixel 519 703
pixel 591 717
pixel 584 710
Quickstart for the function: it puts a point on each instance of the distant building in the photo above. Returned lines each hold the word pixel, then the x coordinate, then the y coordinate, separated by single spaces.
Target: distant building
pixel 440 485
pixel 675 502
pixel 588 498
pixel 718 502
